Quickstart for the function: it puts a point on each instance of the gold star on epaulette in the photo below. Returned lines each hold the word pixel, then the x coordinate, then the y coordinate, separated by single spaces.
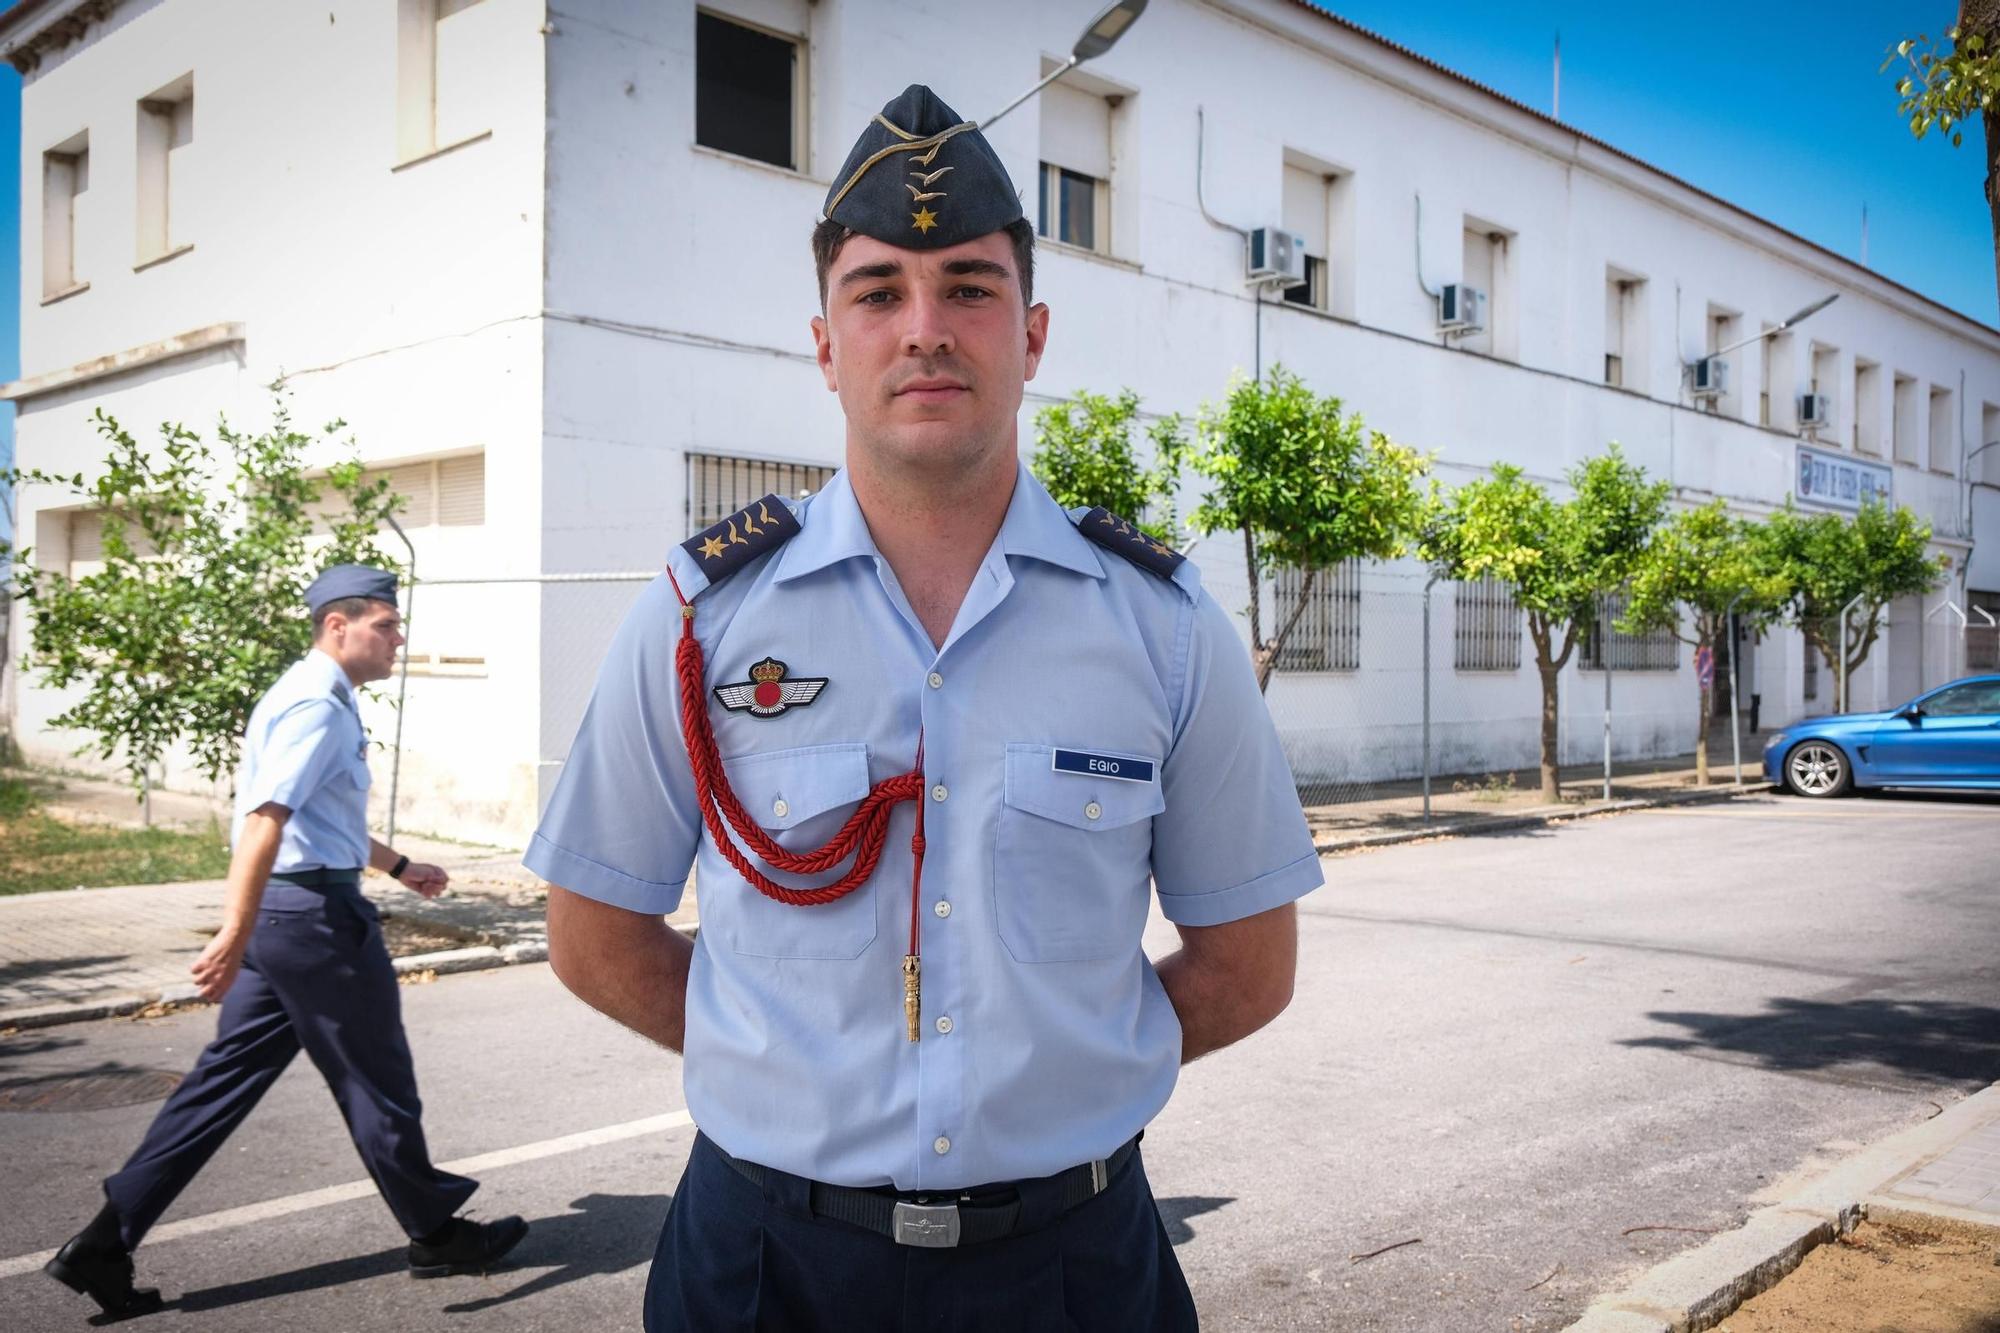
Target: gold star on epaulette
pixel 711 548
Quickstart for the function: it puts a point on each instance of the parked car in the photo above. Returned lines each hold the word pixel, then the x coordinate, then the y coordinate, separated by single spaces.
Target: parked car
pixel 1948 737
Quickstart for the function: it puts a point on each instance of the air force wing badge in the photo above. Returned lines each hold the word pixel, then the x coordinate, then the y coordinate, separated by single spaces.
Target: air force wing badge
pixel 768 693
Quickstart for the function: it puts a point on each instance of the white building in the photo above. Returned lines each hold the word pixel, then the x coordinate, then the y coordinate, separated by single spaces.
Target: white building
pixel 548 258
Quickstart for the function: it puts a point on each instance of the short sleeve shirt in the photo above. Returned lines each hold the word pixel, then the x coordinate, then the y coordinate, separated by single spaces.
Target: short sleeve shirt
pixel 305 749
pixel 1093 738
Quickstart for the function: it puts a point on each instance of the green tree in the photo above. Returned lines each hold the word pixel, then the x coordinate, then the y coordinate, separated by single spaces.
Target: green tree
pixel 198 608
pixel 1084 455
pixel 1562 556
pixel 1825 561
pixel 1701 563
pixel 1307 484
pixel 1942 89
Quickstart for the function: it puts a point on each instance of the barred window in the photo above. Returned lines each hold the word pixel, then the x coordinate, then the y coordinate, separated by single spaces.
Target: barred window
pixel 718 486
pixel 1486 627
pixel 1655 650
pixel 1328 634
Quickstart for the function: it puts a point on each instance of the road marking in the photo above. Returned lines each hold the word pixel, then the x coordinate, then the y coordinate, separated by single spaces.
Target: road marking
pixel 361 1189
pixel 1849 812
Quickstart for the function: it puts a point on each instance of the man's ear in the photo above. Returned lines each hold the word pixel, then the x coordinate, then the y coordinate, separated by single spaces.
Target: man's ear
pixel 1038 337
pixel 823 352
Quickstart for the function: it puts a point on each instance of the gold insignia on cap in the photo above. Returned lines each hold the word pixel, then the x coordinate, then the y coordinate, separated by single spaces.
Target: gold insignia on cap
pixel 923 219
pixel 913 144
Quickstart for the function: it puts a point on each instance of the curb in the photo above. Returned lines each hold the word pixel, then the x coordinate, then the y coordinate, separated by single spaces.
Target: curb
pixel 1699 1289
pixel 1700 796
pixel 182 994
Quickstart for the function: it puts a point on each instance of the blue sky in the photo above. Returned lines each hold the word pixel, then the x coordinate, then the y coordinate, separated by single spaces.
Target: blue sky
pixel 1777 108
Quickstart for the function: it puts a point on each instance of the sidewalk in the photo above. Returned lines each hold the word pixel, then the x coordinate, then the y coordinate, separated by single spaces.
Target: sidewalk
pixel 1945 1171
pixel 94 953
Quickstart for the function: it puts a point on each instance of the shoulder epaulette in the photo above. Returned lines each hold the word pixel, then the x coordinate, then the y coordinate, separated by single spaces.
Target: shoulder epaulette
pixel 721 549
pixel 1115 534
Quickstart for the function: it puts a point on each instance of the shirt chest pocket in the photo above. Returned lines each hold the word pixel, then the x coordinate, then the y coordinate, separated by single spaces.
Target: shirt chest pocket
pixel 1072 858
pixel 800 798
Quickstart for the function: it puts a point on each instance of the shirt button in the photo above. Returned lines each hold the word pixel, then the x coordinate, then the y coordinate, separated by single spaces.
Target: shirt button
pixel 1093 810
pixel 943 908
pixel 937 681
pixel 944 1023
pixel 938 793
pixel 941 1145
pixel 780 809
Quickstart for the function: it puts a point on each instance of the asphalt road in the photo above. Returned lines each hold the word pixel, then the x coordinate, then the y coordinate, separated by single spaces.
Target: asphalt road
pixel 1513 1047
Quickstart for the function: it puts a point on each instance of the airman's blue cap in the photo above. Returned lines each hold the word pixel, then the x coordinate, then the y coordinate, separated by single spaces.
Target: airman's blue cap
pixel 339 581
pixel 921 178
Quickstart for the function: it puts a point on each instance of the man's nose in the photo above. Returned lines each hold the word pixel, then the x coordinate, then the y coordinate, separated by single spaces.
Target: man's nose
pixel 927 330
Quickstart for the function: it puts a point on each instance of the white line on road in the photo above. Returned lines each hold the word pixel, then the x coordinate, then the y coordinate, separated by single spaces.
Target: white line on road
pixel 1822 812
pixel 361 1189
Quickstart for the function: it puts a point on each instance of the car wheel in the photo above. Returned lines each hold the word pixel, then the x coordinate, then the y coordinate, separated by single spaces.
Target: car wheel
pixel 1817 768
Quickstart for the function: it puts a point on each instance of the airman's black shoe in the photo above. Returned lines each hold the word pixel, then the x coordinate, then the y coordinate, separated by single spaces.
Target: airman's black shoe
pixel 104 1275
pixel 464 1246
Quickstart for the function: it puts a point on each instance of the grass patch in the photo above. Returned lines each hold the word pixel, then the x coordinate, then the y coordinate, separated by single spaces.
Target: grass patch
pixel 39 852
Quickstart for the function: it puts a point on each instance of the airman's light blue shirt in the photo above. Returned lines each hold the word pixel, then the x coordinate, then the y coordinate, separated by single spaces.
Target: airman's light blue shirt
pixel 305 749
pixel 1093 734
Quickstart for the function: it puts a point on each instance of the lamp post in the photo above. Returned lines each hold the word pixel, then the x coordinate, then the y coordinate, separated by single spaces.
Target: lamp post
pixel 1970 483
pixel 1102 34
pixel 1784 325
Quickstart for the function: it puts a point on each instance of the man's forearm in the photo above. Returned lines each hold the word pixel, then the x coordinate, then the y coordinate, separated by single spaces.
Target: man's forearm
pixel 626 965
pixel 249 869
pixel 381 856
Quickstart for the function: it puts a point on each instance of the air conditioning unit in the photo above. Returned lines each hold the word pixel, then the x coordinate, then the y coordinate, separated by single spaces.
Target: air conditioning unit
pixel 1461 309
pixel 1277 257
pixel 1711 377
pixel 1815 413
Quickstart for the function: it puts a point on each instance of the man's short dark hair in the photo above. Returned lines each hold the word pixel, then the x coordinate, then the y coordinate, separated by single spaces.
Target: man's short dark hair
pixel 351 607
pixel 829 236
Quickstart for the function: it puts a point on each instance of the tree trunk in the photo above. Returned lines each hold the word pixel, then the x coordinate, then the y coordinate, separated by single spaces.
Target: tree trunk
pixel 1545 663
pixel 1983 17
pixel 1267 661
pixel 1704 638
pixel 1261 655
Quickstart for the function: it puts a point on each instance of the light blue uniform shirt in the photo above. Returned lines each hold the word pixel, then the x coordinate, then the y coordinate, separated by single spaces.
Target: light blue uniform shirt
pixel 305 749
pixel 1047 1038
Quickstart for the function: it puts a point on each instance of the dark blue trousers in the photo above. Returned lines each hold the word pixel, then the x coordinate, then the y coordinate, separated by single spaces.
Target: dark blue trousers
pixel 315 975
pixel 738 1256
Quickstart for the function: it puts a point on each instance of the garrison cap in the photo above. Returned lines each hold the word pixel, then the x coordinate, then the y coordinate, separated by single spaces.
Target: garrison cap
pixel 921 178
pixel 339 581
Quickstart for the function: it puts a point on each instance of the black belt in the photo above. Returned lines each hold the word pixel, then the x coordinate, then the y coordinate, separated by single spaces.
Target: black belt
pixel 945 1218
pixel 321 879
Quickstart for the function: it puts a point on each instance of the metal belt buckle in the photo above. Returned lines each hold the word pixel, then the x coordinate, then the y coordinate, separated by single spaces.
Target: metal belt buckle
pixel 932 1226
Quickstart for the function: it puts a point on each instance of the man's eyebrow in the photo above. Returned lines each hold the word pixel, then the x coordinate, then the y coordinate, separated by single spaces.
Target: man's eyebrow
pixel 888 268
pixel 985 268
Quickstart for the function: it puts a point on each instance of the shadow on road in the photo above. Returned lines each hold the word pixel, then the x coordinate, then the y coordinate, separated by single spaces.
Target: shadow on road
pixel 23 975
pixel 1176 1211
pixel 610 1233
pixel 1931 1039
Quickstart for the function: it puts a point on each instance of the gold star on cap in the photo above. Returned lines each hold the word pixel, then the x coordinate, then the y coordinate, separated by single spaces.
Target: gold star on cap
pixel 923 219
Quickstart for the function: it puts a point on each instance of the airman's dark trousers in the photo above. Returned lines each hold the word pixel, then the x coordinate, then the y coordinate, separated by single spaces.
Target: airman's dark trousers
pixel 739 1256
pixel 315 975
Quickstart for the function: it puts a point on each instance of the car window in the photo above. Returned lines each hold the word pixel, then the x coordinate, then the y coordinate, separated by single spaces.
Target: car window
pixel 1972 698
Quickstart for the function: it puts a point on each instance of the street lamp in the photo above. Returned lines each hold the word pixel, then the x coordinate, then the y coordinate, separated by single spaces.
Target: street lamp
pixel 1102 34
pixel 1969 485
pixel 1783 325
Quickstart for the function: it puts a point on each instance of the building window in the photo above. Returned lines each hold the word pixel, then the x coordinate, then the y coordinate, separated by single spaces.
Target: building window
pixel 1826 382
pixel 1486 627
pixel 447 81
pixel 1722 332
pixel 718 485
pixel 749 94
pixel 1327 636
pixel 1488 267
pixel 1944 432
pixel 166 128
pixel 1987 466
pixel 1655 650
pixel 1624 330
pixel 1305 215
pixel 1774 387
pixel 1867 431
pixel 65 180
pixel 437 493
pixel 1075 196
pixel 1903 421
pixel 1982 631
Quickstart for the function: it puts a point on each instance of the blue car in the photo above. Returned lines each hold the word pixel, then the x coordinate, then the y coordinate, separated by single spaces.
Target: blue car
pixel 1949 737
